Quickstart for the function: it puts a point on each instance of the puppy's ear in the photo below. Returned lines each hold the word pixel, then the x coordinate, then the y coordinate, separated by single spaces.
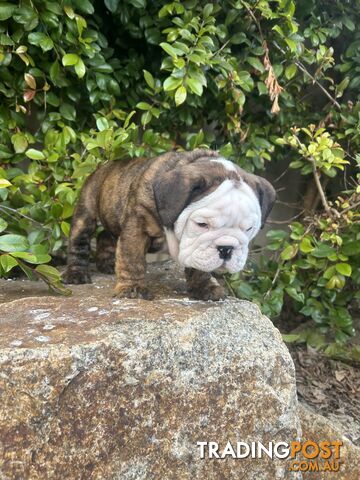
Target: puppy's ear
pixel 264 191
pixel 174 191
pixel 266 195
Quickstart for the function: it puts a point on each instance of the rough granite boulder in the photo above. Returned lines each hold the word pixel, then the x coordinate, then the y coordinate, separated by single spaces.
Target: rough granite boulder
pixel 317 428
pixel 92 387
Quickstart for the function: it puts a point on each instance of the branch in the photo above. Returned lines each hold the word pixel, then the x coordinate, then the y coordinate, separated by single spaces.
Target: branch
pixel 324 201
pixel 16 212
pixel 319 187
pixel 304 70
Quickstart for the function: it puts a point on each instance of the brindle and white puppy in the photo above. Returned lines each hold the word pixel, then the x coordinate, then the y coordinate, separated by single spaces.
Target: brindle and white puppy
pixel 207 208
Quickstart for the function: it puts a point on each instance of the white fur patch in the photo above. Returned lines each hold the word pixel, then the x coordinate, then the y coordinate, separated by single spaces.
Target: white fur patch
pixel 232 213
pixel 230 167
pixel 172 243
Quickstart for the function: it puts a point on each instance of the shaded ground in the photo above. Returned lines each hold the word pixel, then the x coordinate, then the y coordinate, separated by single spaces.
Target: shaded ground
pixel 330 388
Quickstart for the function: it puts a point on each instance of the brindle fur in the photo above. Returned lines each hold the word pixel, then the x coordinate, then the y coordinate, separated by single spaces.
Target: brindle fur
pixel 134 201
pixel 203 285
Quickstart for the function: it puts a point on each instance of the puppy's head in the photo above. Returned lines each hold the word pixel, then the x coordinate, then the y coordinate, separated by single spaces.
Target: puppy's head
pixel 211 209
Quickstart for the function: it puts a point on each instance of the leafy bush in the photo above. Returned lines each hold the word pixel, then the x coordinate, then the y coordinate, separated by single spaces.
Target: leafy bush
pixel 84 82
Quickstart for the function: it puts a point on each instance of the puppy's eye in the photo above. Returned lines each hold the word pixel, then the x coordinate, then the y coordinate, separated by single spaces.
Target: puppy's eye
pixel 202 225
pixel 248 229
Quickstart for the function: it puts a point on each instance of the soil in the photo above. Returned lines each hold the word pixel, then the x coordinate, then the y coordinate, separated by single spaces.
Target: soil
pixel 330 388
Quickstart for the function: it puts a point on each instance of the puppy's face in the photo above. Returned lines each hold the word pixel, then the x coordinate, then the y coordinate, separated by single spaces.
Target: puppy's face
pixel 214 232
pixel 221 209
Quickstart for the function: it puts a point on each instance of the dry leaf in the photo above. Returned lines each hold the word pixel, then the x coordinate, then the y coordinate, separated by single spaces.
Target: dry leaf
pixel 30 81
pixel 271 82
pixel 29 95
pixel 340 375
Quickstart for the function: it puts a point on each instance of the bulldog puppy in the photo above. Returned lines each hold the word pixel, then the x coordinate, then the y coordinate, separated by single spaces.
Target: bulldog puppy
pixel 204 208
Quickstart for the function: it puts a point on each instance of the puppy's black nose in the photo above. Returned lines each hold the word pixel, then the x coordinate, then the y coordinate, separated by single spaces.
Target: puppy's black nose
pixel 225 251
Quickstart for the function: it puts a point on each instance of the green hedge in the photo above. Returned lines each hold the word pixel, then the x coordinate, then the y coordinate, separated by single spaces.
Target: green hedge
pixel 84 82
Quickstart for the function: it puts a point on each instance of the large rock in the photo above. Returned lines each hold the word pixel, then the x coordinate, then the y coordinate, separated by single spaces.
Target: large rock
pixel 317 428
pixel 94 387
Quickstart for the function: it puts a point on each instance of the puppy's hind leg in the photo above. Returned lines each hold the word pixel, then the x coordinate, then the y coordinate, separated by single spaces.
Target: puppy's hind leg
pixel 83 226
pixel 105 252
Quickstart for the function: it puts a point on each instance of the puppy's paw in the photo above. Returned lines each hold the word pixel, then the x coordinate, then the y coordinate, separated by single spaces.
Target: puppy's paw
pixel 209 291
pixel 132 291
pixel 76 276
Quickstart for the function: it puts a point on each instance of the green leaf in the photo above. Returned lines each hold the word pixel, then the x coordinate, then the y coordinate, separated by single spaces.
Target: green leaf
pixel 322 251
pixel 112 5
pixel 170 50
pixel 4 183
pixel 84 6
pixel 6 10
pixel 195 86
pixel 208 10
pixel 255 62
pixel 32 258
pixel 7 262
pixel 20 142
pixel 80 68
pixel 335 281
pixel 171 83
pixel 278 29
pixel 291 337
pixel 35 154
pixel 143 106
pixel 180 95
pixel 3 225
pixel 146 118
pixel 329 272
pixel 41 40
pixel 351 248
pixel 274 235
pixel 290 71
pixel 70 59
pixel 102 124
pixel 55 72
pixel 289 252
pixel 149 79
pixel 69 11
pixel 13 243
pixel 344 269
pixel 49 272
pixel 65 227
pixel 293 293
pixel 68 111
pixel 348 23
pixel 138 3
pixel 306 246
pixel 292 44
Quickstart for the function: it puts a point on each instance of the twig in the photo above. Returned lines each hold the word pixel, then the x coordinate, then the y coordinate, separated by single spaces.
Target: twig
pixel 277 273
pixel 232 293
pixel 350 207
pixel 12 210
pixel 221 48
pixel 289 204
pixel 288 220
pixel 304 70
pixel 281 175
pixel 319 187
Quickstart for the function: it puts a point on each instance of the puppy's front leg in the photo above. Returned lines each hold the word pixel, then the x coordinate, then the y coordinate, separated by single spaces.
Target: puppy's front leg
pixel 203 286
pixel 130 265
